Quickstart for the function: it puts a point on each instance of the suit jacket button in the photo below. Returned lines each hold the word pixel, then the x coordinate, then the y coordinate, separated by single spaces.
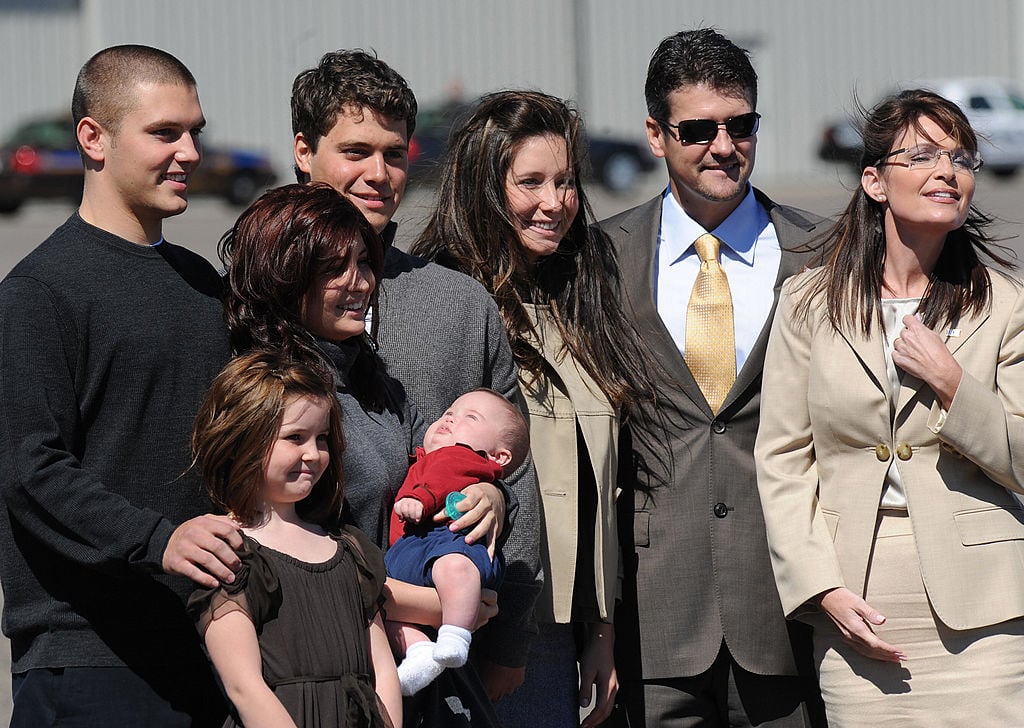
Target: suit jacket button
pixel 904 451
pixel 718 427
pixel 882 453
pixel 720 510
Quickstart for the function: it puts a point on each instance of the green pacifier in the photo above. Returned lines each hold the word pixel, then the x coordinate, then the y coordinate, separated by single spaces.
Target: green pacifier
pixel 450 503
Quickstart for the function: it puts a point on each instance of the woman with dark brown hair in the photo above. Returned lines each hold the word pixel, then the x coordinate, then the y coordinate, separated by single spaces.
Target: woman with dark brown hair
pixel 508 214
pixel 303 269
pixel 891 436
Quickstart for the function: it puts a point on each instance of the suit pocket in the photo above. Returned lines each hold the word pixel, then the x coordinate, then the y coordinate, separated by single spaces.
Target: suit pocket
pixel 641 529
pixel 990 525
pixel 832 521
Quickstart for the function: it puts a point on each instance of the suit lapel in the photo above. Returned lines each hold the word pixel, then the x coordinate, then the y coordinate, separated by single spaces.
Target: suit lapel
pixel 636 260
pixel 870 353
pixel 792 234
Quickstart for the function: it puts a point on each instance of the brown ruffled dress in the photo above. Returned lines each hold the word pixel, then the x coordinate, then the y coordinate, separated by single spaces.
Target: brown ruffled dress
pixel 311 620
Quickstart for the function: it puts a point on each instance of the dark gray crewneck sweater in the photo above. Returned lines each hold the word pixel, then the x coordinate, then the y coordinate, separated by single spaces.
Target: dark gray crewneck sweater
pixel 106 350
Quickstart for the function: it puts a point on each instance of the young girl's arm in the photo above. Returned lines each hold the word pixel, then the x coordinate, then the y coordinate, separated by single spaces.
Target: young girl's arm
pixel 231 641
pixel 385 673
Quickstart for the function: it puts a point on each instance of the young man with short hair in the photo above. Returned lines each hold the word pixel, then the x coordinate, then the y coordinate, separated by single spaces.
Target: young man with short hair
pixel 440 332
pixel 110 336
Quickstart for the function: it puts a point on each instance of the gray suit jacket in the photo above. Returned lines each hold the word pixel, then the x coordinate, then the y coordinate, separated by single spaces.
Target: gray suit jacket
pixel 698 550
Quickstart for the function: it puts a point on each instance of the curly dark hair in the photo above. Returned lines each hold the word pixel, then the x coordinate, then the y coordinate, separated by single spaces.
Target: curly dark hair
pixel 347 80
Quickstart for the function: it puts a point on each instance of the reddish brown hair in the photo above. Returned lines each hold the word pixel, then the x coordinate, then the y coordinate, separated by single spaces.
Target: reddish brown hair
pixel 279 248
pixel 238 422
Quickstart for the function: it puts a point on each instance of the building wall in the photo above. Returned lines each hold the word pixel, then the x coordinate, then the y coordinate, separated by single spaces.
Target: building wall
pixel 40 57
pixel 813 56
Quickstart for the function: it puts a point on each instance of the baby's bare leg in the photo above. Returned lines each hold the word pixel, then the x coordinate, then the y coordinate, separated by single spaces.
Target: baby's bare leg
pixel 458 587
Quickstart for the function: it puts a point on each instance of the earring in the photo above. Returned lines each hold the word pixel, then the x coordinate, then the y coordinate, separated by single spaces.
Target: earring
pixel 881 198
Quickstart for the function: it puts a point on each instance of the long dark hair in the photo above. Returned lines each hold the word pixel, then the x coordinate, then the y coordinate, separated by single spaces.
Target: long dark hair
pixel 472 230
pixel 852 280
pixel 281 247
pixel 238 422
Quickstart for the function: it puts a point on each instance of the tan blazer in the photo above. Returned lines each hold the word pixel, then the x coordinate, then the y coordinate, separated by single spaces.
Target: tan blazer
pixel 557 402
pixel 826 438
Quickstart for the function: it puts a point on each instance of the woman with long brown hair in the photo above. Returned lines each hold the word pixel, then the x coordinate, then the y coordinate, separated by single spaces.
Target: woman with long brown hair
pixel 892 427
pixel 509 214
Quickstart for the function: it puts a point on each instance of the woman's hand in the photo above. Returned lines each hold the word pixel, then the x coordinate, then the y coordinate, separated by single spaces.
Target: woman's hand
pixel 921 352
pixel 597 672
pixel 483 509
pixel 854 618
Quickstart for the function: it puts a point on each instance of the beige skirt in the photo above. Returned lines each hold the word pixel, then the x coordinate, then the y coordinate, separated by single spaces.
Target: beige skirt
pixel 950 677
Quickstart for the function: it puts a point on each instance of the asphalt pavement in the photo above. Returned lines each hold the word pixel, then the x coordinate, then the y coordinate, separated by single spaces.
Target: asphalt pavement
pixel 824 191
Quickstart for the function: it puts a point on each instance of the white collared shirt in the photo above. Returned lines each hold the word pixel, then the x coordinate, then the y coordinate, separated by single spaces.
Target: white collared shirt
pixel 750 255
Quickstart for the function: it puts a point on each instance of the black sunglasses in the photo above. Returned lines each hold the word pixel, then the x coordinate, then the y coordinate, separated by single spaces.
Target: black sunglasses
pixel 702 131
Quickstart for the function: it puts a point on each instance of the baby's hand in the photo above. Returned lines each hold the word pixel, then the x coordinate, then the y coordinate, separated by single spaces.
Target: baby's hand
pixel 409 509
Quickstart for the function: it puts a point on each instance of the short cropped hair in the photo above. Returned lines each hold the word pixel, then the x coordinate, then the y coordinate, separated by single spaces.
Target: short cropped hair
pixel 693 57
pixel 238 422
pixel 105 87
pixel 515 434
pixel 348 80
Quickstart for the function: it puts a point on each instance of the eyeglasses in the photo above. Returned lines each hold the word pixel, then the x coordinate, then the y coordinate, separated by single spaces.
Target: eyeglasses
pixel 702 131
pixel 963 160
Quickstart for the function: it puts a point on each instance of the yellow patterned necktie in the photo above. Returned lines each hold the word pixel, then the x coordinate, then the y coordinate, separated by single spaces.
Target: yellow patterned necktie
pixel 710 351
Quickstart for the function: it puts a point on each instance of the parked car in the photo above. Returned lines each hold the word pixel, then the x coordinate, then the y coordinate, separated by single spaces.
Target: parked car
pixel 616 163
pixel 994 106
pixel 40 160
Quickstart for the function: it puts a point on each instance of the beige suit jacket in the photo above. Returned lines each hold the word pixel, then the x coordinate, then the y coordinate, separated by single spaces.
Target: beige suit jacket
pixel 560 400
pixel 824 444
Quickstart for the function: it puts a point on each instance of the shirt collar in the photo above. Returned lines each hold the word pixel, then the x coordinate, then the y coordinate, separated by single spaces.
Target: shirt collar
pixel 738 232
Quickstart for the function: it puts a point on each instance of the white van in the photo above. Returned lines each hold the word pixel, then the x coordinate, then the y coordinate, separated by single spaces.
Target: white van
pixel 995 108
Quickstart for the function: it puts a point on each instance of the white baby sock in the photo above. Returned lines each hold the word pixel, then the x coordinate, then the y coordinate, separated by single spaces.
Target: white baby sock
pixel 419 668
pixel 452 648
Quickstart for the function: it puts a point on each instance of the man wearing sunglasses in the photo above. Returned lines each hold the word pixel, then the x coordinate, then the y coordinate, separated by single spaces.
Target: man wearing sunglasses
pixel 701 635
